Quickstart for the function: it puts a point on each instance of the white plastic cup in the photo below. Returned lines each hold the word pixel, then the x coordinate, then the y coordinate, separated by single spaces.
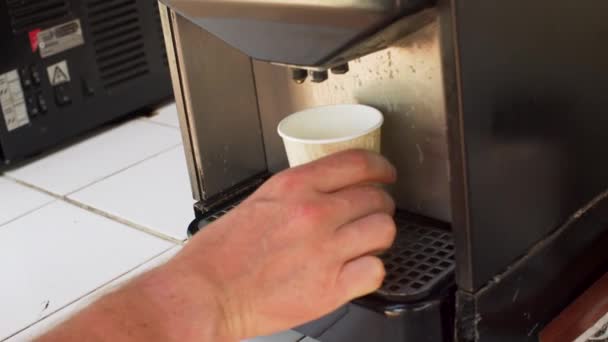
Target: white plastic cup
pixel 318 132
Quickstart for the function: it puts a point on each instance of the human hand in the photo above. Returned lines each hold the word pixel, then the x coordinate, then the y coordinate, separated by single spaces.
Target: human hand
pixel 300 247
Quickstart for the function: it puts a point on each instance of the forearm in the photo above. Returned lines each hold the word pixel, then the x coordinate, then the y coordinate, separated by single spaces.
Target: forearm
pixel 166 304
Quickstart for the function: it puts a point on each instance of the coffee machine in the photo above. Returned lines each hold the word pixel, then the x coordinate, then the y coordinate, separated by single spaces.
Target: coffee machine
pixel 495 117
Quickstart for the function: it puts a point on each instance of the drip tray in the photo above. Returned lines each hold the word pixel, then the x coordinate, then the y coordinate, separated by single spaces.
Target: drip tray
pixel 210 217
pixel 420 261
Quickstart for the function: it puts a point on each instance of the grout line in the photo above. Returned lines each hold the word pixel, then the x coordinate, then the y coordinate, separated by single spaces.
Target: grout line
pixel 156 113
pixel 123 169
pixel 89 293
pixel 122 221
pixel 66 199
pixel 99 212
pixel 95 133
pixel 59 196
pixel 149 120
pixel 32 186
pixel 52 200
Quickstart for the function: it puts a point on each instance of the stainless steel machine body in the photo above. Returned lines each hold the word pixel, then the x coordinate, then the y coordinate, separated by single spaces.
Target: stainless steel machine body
pixel 494 119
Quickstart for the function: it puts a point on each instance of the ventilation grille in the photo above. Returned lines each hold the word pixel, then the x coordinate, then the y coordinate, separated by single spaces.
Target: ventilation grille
pixel 159 26
pixel 27 15
pixel 118 38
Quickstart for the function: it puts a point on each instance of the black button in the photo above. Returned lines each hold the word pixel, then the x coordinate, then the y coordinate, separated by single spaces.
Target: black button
pixel 36 76
pixel 32 106
pixel 34 111
pixel 42 104
pixel 25 77
pixel 87 88
pixel 62 95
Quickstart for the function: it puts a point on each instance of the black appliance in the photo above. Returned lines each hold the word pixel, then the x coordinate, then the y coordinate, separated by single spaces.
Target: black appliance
pixel 68 66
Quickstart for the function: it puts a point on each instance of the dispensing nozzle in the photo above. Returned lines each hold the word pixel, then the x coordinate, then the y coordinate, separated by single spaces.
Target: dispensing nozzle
pixel 299 75
pixel 340 69
pixel 318 76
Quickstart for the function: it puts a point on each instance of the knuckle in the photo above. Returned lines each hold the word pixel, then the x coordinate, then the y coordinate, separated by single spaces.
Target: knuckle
pixel 381 198
pixel 309 211
pixel 360 160
pixel 389 199
pixel 285 181
pixel 387 229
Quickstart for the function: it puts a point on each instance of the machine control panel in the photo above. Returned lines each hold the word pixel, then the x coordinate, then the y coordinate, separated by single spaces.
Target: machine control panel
pixel 75 67
pixel 31 81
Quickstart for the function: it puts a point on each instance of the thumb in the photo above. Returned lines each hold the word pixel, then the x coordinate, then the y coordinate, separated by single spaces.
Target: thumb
pixel 361 276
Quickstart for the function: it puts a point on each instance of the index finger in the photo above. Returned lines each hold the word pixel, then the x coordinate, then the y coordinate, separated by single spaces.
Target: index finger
pixel 345 169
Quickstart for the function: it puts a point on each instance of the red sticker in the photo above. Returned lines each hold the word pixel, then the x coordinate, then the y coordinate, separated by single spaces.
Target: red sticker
pixel 34 39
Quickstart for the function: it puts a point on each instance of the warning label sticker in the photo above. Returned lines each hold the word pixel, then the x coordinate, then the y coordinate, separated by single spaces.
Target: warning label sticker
pixel 58 73
pixel 60 38
pixel 12 101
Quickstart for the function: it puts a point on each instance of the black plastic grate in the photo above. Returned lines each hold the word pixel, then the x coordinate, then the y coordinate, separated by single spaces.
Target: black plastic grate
pixel 421 258
pixel 208 218
pixel 216 215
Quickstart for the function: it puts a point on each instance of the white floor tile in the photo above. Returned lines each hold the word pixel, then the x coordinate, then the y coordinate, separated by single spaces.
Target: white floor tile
pixel 60 316
pixel 97 157
pixel 58 254
pixel 154 194
pixel 166 115
pixel 17 200
pixel 287 336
